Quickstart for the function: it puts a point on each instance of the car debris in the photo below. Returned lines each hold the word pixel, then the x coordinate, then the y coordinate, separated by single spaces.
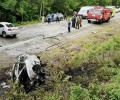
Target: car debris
pixel 29 71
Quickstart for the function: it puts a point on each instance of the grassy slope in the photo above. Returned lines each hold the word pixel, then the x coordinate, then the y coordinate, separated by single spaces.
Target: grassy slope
pixel 92 62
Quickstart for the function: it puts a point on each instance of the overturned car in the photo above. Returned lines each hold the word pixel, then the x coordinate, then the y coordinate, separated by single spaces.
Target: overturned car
pixel 29 71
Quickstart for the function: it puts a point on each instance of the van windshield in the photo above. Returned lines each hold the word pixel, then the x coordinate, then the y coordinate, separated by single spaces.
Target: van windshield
pixel 95 11
pixel 83 11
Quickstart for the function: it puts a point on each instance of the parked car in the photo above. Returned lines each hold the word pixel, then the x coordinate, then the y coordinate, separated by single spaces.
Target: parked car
pixel 84 10
pixel 60 16
pixel 8 29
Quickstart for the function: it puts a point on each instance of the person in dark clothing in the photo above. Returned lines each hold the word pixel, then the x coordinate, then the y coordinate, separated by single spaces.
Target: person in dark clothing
pixel 69 25
pixel 73 21
pixel 57 17
pixel 49 18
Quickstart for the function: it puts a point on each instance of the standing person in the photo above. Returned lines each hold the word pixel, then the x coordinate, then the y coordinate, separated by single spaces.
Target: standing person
pixel 65 16
pixel 57 17
pixel 43 19
pixel 49 18
pixel 73 21
pixel 52 17
pixel 75 13
pixel 78 22
pixel 69 25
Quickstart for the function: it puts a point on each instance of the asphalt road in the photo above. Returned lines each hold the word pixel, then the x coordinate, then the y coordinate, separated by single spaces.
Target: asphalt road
pixel 38 37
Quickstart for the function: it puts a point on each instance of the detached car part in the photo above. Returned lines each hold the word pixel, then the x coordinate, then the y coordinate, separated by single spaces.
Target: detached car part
pixel 29 70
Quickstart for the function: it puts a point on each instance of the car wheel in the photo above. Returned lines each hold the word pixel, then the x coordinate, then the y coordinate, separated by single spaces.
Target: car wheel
pixel 61 18
pixel 101 21
pixel 14 35
pixel 108 19
pixel 4 34
pixel 89 21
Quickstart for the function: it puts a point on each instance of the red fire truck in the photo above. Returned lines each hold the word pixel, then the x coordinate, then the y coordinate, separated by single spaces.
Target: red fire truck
pixel 99 14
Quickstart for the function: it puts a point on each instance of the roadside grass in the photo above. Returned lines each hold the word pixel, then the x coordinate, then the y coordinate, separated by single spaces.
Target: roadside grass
pixel 64 54
pixel 96 67
pixel 27 22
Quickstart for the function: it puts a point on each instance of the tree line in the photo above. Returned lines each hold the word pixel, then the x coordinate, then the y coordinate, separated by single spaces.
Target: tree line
pixel 28 10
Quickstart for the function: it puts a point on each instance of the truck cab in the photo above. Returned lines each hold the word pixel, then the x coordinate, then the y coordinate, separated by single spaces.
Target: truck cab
pixel 99 14
pixel 113 8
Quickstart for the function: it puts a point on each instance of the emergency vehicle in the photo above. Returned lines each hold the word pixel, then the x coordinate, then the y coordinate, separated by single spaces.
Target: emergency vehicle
pixel 99 14
pixel 83 11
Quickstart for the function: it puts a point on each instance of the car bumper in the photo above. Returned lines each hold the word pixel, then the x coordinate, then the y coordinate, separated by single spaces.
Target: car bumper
pixel 94 20
pixel 13 32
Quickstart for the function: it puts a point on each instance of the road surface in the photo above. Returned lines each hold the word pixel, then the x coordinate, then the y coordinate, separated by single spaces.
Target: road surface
pixel 38 37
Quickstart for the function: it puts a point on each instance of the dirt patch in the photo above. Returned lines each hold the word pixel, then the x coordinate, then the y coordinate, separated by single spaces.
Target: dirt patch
pixel 6 62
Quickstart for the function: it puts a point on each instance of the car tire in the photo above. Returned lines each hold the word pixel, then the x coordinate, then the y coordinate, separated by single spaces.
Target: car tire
pixel 14 35
pixel 89 21
pixel 101 21
pixel 61 18
pixel 4 34
pixel 108 19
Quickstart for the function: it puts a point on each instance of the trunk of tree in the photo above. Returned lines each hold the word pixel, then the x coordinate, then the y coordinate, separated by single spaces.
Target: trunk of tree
pixel 40 10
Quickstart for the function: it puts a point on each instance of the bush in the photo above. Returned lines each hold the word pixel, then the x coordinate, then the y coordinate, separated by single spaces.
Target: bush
pixel 105 73
pixel 17 92
pixel 112 92
pixel 79 93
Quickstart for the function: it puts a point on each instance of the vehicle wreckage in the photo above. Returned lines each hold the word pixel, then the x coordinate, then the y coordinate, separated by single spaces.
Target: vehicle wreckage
pixel 29 71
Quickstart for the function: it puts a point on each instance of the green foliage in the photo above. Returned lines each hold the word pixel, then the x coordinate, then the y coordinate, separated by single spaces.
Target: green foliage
pixel 79 93
pixel 94 90
pixel 8 4
pixel 105 73
pixel 28 10
pixel 112 92
pixel 17 92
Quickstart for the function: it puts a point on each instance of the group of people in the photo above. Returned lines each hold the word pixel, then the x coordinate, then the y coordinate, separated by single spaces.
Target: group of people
pixel 76 22
pixel 52 17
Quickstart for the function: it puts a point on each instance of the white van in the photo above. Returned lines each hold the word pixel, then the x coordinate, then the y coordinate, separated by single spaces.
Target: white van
pixel 83 11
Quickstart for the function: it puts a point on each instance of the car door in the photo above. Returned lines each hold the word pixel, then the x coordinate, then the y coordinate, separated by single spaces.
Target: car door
pixel 106 15
pixel 1 29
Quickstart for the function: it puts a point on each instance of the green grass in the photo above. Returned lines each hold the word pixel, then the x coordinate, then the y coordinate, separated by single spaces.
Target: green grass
pixel 27 23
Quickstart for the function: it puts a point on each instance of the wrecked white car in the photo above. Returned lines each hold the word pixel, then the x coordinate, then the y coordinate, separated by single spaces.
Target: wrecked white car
pixel 29 70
